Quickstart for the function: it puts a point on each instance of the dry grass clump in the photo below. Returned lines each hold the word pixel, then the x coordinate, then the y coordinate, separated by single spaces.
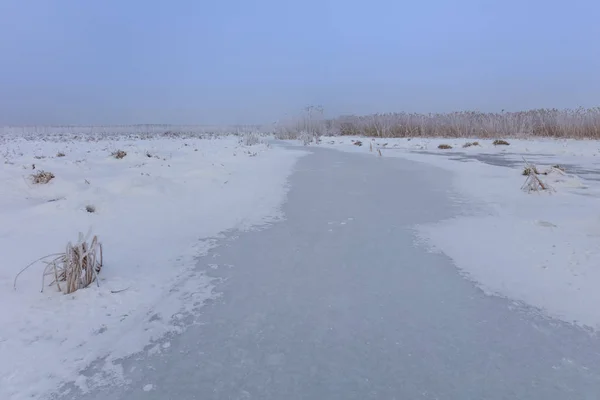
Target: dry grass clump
pixel 306 138
pixel 42 177
pixel 250 139
pixel 444 147
pixel 534 183
pixel 530 169
pixel 119 154
pixel 60 154
pixel 74 269
pixel 469 144
pixel 500 142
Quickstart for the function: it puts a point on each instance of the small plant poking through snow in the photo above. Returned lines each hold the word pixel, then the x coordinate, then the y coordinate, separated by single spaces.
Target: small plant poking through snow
pixel 119 154
pixel 305 138
pixel 60 154
pixel 42 177
pixel 499 142
pixel 251 139
pixel 530 169
pixel 444 147
pixel 90 208
pixel 533 183
pixel 74 269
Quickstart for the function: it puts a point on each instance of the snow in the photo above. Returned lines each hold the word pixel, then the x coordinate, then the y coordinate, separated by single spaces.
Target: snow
pixel 148 387
pixel 156 210
pixel 537 248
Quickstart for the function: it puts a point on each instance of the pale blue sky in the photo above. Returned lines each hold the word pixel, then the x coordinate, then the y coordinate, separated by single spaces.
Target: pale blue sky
pixel 244 61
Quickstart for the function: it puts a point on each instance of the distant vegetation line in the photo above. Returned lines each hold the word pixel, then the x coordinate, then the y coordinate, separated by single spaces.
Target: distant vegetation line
pixel 581 123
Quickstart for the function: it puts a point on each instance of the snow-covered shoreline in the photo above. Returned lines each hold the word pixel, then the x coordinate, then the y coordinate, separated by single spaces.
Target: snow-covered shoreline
pixel 155 211
pixel 538 248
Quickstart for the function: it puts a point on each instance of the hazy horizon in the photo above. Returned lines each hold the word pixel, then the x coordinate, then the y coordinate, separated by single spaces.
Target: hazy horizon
pixel 187 63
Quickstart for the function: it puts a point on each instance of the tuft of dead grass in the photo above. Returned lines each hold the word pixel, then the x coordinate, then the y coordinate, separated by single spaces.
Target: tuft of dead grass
pixel 534 183
pixel 444 146
pixel 119 154
pixel 500 142
pixel 530 169
pixel 74 269
pixel 42 177
pixel 469 144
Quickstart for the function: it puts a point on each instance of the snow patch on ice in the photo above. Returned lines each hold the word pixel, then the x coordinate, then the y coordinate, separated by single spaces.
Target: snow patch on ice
pixel 539 248
pixel 148 387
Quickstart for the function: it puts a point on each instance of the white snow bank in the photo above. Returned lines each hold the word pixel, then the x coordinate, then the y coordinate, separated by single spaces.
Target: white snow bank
pixel 539 248
pixel 155 211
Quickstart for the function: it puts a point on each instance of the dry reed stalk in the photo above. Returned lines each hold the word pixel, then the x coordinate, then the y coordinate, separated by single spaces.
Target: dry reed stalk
pixel 533 183
pixel 77 267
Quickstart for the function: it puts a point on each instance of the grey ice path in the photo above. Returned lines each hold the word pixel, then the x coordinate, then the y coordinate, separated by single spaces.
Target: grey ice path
pixel 338 302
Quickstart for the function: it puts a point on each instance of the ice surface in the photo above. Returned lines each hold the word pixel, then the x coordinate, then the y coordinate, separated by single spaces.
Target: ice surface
pixel 362 312
pixel 539 248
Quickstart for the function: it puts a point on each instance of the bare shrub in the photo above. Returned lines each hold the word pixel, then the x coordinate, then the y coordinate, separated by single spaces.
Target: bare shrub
pixel 42 177
pixel 444 147
pixel 119 154
pixel 500 142
pixel 251 139
pixel 305 138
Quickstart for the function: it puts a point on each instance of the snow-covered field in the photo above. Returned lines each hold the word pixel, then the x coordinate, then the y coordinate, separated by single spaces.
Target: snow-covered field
pixel 155 211
pixel 540 248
